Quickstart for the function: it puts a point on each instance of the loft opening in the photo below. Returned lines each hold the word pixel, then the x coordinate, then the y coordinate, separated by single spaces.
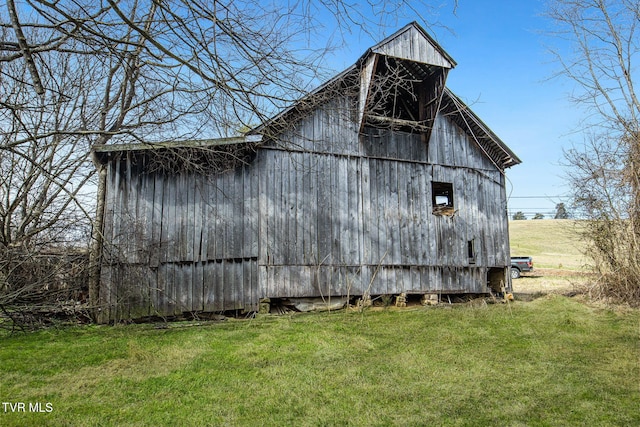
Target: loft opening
pixel 404 95
pixel 442 198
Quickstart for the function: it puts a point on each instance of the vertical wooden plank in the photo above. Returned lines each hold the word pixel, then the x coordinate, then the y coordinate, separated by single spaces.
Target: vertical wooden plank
pixel 269 288
pixel 348 227
pixel 221 238
pixel 311 196
pixel 277 289
pixel 285 240
pixel 162 298
pixel 400 281
pixel 132 293
pixel 295 169
pixel 184 287
pixel 208 286
pixel 149 283
pixel 190 214
pixel 404 179
pixel 275 212
pixel 127 212
pixel 225 212
pixel 214 227
pixel 335 197
pixel 225 242
pixel 378 220
pixel 365 213
pixel 247 289
pixel 208 220
pixel 156 246
pixel 173 277
pixel 273 199
pixel 179 217
pixel 422 214
pixel 414 198
pixel 145 213
pixel 248 213
pixel 305 212
pixel 391 141
pixel 383 280
pixel 393 213
pixel 301 215
pixel 158 291
pixel 189 220
pixel 153 290
pixel 292 208
pixel 354 196
pixel 264 182
pixel 145 245
pixel 238 284
pixel 199 233
pixel 254 213
pixel 237 220
pixel 168 203
pixel 136 217
pixel 324 226
pixel 218 286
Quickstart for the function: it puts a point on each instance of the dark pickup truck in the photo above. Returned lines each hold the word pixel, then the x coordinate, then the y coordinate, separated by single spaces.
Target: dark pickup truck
pixel 520 264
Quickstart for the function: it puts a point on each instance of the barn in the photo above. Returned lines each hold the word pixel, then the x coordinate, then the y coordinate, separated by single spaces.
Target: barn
pixel 381 182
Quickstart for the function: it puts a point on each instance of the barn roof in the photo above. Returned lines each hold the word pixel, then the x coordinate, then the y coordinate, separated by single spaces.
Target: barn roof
pixel 488 141
pixel 419 55
pixel 422 47
pixel 102 153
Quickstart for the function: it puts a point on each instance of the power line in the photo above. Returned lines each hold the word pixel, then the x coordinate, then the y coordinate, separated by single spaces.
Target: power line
pixel 538 197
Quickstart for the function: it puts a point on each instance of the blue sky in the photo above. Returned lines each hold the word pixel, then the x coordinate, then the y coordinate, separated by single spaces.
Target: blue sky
pixel 504 73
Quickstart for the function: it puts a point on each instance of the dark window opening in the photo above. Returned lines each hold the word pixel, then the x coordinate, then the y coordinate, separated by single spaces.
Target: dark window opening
pixel 442 198
pixel 471 251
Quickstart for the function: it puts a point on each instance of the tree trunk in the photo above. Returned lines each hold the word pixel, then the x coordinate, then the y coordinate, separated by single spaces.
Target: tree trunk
pixel 95 255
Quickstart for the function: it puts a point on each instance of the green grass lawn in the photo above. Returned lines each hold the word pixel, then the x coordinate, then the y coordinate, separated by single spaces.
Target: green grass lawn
pixel 551 361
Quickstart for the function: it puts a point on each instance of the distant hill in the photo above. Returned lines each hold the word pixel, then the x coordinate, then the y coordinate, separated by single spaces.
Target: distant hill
pixel 553 243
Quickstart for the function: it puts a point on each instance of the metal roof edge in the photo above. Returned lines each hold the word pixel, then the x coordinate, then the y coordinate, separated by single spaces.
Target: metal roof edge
pixel 513 158
pixel 198 143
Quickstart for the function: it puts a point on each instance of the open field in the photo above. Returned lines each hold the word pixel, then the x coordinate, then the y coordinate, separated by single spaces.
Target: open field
pixel 554 243
pixel 551 361
pixel 558 256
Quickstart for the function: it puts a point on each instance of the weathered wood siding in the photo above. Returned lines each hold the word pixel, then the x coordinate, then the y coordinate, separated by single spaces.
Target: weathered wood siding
pixel 413 44
pixel 331 205
pixel 343 213
pixel 324 210
pixel 178 243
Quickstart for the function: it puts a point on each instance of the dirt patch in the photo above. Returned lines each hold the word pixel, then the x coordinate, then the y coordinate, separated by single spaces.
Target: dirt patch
pixel 546 280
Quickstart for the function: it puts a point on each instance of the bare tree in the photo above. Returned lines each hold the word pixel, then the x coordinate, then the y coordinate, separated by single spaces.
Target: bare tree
pixel 80 73
pixel 603 46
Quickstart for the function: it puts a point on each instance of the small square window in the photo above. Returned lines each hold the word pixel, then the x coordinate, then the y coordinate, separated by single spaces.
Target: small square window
pixel 442 198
